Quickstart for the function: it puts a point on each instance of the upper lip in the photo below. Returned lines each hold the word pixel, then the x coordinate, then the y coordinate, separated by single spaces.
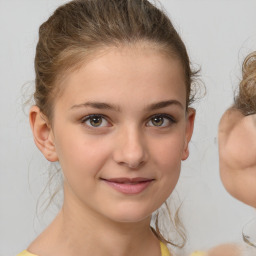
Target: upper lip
pixel 128 180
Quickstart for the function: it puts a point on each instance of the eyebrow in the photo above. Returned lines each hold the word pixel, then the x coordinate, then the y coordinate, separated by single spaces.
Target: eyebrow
pixel 164 104
pixel 97 105
pixel 154 106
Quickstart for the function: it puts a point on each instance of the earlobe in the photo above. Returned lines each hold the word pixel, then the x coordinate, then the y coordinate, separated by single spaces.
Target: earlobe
pixel 42 133
pixel 189 131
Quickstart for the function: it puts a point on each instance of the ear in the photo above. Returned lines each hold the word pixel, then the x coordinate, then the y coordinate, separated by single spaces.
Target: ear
pixel 42 132
pixel 189 131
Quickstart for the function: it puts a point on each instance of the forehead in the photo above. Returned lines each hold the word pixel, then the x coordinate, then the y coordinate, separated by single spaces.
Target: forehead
pixel 140 70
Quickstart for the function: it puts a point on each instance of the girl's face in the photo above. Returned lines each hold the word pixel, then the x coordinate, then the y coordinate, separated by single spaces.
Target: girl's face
pixel 120 131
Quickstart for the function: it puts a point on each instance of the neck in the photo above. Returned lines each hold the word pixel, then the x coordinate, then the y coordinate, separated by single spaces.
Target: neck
pixel 80 231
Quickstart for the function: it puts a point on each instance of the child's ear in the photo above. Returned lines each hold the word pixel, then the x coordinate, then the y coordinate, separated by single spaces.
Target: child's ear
pixel 189 131
pixel 43 135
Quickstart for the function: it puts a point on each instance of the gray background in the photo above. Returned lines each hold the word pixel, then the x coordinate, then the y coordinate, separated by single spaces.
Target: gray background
pixel 218 35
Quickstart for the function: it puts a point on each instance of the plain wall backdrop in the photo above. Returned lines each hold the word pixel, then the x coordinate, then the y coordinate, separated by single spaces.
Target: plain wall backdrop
pixel 218 35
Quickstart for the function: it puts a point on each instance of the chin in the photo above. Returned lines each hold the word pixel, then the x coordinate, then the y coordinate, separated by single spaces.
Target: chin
pixel 131 215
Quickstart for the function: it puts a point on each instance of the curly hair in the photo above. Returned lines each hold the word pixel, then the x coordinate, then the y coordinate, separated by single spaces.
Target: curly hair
pixel 245 100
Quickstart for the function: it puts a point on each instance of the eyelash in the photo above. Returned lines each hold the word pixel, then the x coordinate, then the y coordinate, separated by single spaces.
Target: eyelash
pixel 103 118
pixel 90 118
pixel 169 118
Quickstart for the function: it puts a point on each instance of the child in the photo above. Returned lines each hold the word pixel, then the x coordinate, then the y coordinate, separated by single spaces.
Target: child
pixel 236 146
pixel 113 90
pixel 237 150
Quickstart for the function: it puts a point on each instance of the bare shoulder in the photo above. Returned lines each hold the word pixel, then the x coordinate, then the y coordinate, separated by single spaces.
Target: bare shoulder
pixel 225 250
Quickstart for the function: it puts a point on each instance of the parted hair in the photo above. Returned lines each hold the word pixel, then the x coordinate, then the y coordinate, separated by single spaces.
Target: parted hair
pixel 80 28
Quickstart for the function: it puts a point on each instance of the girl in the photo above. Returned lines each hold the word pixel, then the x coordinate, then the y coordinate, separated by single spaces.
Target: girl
pixel 237 149
pixel 236 146
pixel 113 90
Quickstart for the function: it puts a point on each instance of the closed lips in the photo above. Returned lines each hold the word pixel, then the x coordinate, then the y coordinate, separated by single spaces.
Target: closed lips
pixel 128 180
pixel 129 186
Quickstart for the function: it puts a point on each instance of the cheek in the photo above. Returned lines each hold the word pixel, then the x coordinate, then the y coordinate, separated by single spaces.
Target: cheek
pixel 168 152
pixel 81 154
pixel 167 157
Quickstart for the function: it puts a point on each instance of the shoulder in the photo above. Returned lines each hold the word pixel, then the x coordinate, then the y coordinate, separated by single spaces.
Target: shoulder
pixel 225 250
pixel 233 250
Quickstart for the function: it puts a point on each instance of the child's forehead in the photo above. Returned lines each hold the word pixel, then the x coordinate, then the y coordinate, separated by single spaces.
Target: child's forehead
pixel 117 55
pixel 128 66
pixel 124 50
pixel 139 95
pixel 129 56
pixel 139 72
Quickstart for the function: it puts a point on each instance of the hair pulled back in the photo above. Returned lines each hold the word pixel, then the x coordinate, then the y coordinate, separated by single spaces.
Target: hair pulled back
pixel 80 27
pixel 245 101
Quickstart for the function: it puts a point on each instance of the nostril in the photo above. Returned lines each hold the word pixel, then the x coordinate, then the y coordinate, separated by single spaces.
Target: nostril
pixel 132 160
pixel 132 165
pixel 135 165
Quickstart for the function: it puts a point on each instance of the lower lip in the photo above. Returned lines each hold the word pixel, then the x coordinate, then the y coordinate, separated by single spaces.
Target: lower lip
pixel 128 188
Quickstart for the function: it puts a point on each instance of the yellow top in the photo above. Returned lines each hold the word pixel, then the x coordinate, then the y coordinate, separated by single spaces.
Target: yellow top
pixel 26 253
pixel 198 253
pixel 164 251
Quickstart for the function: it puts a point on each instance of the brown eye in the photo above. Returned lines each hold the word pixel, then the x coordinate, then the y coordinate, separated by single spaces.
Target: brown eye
pixel 157 121
pixel 95 121
pixel 160 121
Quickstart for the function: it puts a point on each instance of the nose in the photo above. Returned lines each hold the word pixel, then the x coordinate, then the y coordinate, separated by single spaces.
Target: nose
pixel 130 149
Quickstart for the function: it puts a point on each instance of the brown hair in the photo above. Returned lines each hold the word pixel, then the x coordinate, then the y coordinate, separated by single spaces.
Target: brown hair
pixel 82 26
pixel 245 101
pixel 79 28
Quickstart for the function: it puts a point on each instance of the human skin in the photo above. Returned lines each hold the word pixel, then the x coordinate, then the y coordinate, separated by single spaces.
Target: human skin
pixel 142 133
pixel 237 163
pixel 237 147
pixel 224 250
pixel 237 155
